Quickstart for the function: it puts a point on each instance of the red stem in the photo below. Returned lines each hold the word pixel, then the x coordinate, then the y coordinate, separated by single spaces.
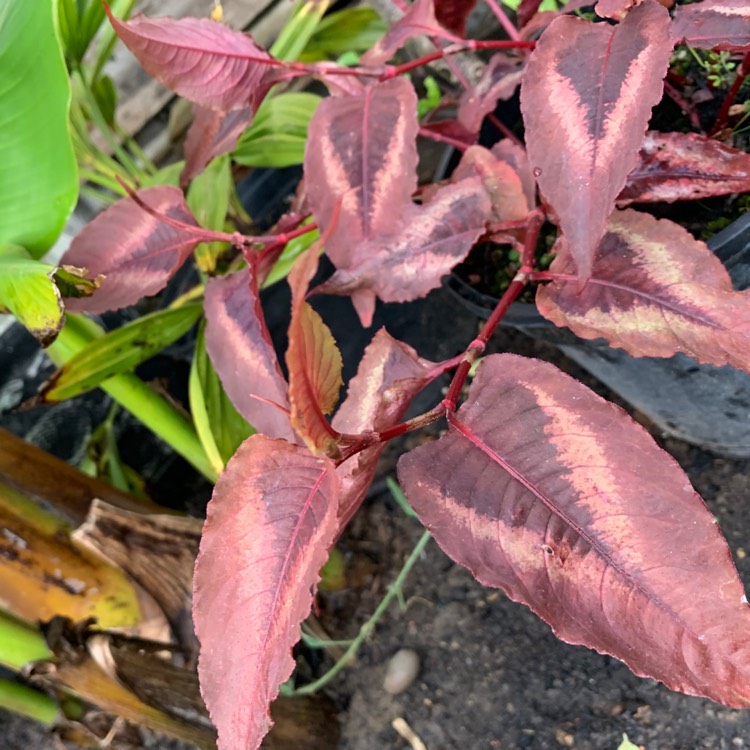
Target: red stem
pixel 478 345
pixel 684 105
pixel 435 136
pixel 470 45
pixel 723 115
pixel 505 22
pixel 357 443
pixel 504 129
pixel 208 235
pixel 536 218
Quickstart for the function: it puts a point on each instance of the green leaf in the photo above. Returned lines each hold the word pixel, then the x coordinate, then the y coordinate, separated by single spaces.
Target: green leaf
pixel 28 291
pixel 626 744
pixel 67 22
pixel 91 21
pixel 105 94
pixel 299 29
pixel 219 425
pixel 158 414
pixel 208 199
pixel 120 351
pixel 120 9
pixel 27 701
pixel 279 131
pixel 546 4
pixel 169 175
pixel 79 23
pixel 38 177
pixel 349 30
pixel 431 98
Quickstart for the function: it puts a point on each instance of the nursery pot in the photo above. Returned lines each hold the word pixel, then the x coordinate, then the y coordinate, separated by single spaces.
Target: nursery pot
pixel 705 405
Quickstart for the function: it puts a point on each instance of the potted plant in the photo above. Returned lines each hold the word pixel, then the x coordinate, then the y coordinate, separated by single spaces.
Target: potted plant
pixel 530 488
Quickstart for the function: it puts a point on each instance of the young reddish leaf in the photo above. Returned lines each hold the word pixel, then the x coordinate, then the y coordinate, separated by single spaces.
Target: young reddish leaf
pixel 501 181
pixel 389 376
pixel 614 8
pixel 451 129
pixel 431 240
pixel 549 492
pixel 685 166
pixel 240 348
pixel 362 156
pixel 515 155
pixel 499 81
pixel 527 9
pixel 314 362
pixel 713 24
pixel 197 58
pixel 654 291
pixel 452 14
pixel 534 21
pixel 134 251
pixel 211 134
pixel 419 20
pixel 597 83
pixel 270 524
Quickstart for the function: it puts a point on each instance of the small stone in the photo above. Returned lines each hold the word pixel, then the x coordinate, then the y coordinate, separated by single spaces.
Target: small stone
pixel 401 671
pixel 741 554
pixel 566 739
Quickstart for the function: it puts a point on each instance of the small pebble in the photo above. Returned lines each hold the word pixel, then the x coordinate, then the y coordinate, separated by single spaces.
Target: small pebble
pixel 402 670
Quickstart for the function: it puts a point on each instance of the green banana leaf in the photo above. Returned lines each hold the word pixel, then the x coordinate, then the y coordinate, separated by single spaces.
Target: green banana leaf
pixel 38 175
pixel 28 290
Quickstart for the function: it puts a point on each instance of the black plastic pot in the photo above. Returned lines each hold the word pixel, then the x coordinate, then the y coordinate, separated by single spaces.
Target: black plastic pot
pixel 704 405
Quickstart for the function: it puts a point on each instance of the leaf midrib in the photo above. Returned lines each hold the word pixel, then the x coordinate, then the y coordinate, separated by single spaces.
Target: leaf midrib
pixel 466 432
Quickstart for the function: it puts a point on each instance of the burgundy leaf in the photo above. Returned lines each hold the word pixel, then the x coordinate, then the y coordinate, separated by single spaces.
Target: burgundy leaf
pixel 685 166
pixel 314 363
pixel 515 155
pixel 431 240
pixel 211 134
pixel 419 20
pixel 654 291
pixel 499 81
pixel 197 58
pixel 452 14
pixel 595 84
pixel 713 24
pixel 527 10
pixel 451 129
pixel 361 159
pixel 135 252
pixel 549 492
pixel 389 376
pixel 614 8
pixel 270 524
pixel 534 21
pixel 501 181
pixel 240 348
